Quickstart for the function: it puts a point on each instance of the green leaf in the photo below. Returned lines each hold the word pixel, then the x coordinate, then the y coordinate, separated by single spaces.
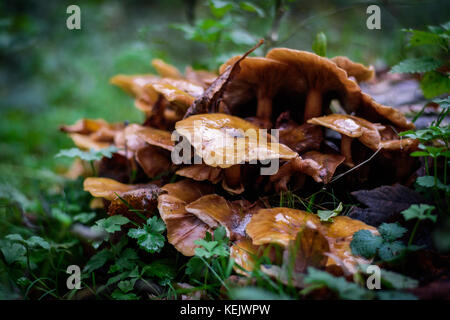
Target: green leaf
pixel 391 250
pixel 434 83
pixel 13 252
pixel 119 295
pixel 127 285
pixel 420 38
pixel 220 234
pixel 417 65
pixel 397 281
pixel 84 217
pixel 195 268
pixel 327 215
pixel 426 181
pixel 365 243
pixel 112 224
pixel 344 289
pixel 250 7
pixel 126 261
pixel 220 7
pixel 98 260
pixel 391 231
pixel 319 45
pixel 443 103
pixel 421 212
pixel 90 155
pixel 36 241
pixel 150 237
pixel 255 293
pixel 161 269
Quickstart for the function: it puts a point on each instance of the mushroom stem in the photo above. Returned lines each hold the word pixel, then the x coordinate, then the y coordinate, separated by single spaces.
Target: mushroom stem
pixel 264 109
pixel 233 176
pixel 313 105
pixel 346 150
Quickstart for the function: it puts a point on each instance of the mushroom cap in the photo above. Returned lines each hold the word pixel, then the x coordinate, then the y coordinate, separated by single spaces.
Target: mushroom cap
pixel 357 70
pixel 143 199
pixel 258 78
pixel 320 74
pixel 243 252
pixel 175 96
pixel 376 112
pixel 301 138
pixel 215 210
pixel 166 70
pixel 222 140
pixel 201 172
pixel 155 137
pixel 108 188
pixel 351 126
pixel 135 84
pixel 183 228
pixel 92 133
pixel 281 225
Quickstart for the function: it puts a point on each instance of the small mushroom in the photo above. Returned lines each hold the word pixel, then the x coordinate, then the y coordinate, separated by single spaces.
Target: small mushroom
pixel 259 78
pixel 323 81
pixel 350 127
pixel 356 70
pixel 108 188
pixel 92 134
pixel 183 228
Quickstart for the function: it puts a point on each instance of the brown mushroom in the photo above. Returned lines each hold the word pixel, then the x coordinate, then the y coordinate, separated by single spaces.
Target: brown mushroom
pixel 259 78
pixel 356 70
pixel 201 172
pixel 351 127
pixel 323 81
pixel 166 70
pixel 108 188
pixel 183 228
pixel 281 225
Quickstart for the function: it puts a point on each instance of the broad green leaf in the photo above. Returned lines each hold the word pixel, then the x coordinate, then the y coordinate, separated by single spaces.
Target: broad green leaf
pixel 119 295
pixel 391 250
pixel 421 212
pixel 84 217
pixel 420 38
pixel 365 243
pixel 434 83
pixel 90 155
pixel 150 237
pixel 396 280
pixel 112 224
pixel 391 231
pixel 13 252
pixel 250 7
pixel 126 261
pixel 417 65
pixel 98 260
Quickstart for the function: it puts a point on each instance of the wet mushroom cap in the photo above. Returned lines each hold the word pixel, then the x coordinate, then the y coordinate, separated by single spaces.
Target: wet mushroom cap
pixel 108 188
pixel 223 140
pixel 281 225
pixel 155 137
pixel 351 126
pixel 201 172
pixel 183 228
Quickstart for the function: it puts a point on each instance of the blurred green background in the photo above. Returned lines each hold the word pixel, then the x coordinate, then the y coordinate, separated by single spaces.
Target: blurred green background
pixel 50 75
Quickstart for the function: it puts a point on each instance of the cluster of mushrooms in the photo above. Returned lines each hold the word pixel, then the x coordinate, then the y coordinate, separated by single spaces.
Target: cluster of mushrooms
pixel 326 125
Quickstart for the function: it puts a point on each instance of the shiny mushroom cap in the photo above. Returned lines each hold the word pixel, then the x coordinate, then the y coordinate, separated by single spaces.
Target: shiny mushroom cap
pixel 183 228
pixel 281 225
pixel 222 140
pixel 108 188
pixel 166 70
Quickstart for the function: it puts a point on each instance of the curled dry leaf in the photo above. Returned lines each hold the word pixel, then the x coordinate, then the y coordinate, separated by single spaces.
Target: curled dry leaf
pixel 183 228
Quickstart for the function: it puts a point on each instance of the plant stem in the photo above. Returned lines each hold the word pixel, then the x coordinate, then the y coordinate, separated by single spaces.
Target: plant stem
pixel 413 232
pixel 94 172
